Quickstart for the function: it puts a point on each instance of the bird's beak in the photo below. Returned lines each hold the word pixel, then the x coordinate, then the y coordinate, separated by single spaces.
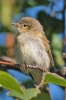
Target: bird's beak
pixel 15 24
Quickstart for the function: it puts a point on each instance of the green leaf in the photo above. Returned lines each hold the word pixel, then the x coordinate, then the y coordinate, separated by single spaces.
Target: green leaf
pixel 56 41
pixel 28 94
pixel 40 2
pixel 55 79
pixel 42 96
pixel 8 82
pixel 16 95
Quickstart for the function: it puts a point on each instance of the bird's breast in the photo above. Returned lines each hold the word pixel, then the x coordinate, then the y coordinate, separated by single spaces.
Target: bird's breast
pixel 31 51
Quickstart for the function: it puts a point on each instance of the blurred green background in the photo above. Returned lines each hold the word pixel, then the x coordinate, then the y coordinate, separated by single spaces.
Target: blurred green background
pixel 50 13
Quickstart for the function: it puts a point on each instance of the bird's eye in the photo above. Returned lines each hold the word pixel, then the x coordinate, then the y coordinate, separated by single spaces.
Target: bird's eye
pixel 25 25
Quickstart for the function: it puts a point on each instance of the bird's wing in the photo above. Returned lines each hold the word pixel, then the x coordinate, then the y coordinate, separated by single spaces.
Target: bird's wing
pixel 46 45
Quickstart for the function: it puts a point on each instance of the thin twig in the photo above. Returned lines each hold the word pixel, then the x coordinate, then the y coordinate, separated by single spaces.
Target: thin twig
pixel 41 82
pixel 17 66
pixel 10 65
pixel 34 67
pixel 64 55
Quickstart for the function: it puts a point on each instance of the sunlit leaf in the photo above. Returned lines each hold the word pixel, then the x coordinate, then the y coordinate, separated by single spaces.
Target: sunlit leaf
pixel 55 79
pixel 16 95
pixel 56 41
pixel 42 96
pixel 8 82
pixel 28 94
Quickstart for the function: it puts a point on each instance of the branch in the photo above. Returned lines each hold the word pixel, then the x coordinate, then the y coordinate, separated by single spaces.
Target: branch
pixel 10 65
pixel 64 55
pixel 18 67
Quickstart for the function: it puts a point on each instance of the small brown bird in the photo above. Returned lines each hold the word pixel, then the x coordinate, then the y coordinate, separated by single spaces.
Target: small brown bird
pixel 32 47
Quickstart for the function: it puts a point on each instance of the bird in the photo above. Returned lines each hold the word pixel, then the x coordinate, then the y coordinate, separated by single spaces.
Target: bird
pixel 32 47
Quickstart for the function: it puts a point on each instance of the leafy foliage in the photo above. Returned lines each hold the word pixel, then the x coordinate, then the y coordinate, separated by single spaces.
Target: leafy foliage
pixel 8 82
pixel 51 27
pixel 52 78
pixel 50 23
pixel 28 94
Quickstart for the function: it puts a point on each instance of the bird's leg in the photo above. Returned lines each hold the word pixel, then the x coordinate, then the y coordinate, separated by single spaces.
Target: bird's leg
pixel 44 70
pixel 41 82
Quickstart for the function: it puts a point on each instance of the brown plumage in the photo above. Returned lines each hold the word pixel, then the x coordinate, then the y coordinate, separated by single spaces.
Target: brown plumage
pixel 32 47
